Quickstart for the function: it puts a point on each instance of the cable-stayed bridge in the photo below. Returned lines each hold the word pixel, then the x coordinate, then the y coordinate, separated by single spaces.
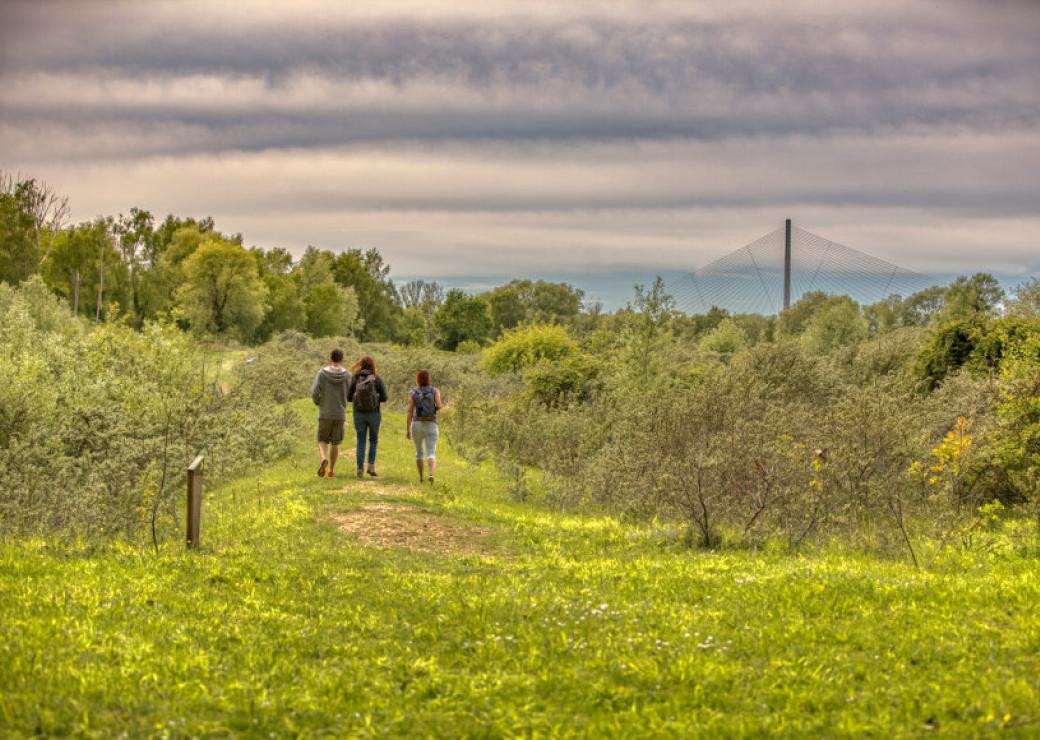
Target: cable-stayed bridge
pixel 778 269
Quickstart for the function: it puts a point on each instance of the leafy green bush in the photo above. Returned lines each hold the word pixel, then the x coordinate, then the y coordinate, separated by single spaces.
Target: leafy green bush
pixel 575 378
pixel 98 425
pixel 528 346
pixel 977 344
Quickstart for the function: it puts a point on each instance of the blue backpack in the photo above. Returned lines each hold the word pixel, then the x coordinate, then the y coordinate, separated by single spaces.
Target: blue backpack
pixel 425 401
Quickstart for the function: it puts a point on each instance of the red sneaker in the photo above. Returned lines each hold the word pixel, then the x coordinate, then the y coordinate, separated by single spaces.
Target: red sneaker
pixel 332 474
pixel 321 468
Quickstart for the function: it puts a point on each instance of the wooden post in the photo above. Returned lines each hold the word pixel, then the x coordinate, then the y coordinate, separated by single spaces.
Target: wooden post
pixel 195 479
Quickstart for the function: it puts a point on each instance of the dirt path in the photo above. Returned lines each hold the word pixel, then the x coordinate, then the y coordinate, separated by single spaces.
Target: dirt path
pixel 407 526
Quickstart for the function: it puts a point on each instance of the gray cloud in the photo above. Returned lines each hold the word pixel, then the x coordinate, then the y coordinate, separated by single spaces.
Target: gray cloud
pixel 559 129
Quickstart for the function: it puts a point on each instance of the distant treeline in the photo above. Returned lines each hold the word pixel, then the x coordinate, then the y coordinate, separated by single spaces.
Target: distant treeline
pixel 182 269
pixel 136 268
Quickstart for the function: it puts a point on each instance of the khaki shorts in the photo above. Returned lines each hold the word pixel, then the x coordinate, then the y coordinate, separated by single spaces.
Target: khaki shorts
pixel 330 431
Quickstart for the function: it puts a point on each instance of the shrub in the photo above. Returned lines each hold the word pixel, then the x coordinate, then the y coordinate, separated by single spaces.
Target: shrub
pixel 727 338
pixel 98 426
pixel 528 346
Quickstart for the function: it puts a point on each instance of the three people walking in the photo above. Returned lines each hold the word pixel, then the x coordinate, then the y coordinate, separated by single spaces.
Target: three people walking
pixel 334 387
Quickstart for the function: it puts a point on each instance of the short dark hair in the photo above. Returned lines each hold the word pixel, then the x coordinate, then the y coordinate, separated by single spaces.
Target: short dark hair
pixel 337 355
pixel 423 377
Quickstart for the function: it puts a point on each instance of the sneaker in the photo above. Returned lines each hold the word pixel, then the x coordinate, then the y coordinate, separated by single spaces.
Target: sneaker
pixel 332 474
pixel 360 474
pixel 431 480
pixel 321 468
pixel 373 473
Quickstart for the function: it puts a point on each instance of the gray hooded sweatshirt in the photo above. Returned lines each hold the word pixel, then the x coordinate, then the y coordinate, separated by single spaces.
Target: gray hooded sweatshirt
pixel 329 392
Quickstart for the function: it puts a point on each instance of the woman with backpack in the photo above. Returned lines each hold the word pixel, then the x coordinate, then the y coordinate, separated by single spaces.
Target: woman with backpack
pixel 424 402
pixel 366 392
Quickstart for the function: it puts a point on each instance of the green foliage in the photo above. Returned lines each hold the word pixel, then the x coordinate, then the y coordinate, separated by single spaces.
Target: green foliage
pixel 222 293
pixel 414 329
pixel 527 621
pixel 1025 303
pixel 331 311
pixel 97 425
pixel 369 276
pixel 965 298
pixel 976 344
pixel 573 378
pixel 726 338
pixel 19 245
pixel 461 318
pixel 532 302
pixel 835 325
pixel 84 267
pixel 949 348
pixel 527 347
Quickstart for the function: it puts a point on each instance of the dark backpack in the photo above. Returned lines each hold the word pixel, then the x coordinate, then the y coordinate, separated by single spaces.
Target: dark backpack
pixel 425 401
pixel 366 394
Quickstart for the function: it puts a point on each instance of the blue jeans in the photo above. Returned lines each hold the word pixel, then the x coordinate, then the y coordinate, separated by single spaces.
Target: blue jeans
pixel 366 424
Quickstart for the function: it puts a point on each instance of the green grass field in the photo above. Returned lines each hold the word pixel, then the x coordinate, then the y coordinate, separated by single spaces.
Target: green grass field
pixel 332 607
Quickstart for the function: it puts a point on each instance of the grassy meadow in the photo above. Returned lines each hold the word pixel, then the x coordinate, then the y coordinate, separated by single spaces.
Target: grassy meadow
pixel 333 607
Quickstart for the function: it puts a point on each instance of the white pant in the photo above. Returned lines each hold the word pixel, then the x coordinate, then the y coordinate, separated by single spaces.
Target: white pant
pixel 424 434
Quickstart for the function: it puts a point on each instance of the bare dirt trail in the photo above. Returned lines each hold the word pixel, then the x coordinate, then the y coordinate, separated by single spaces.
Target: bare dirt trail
pixel 400 525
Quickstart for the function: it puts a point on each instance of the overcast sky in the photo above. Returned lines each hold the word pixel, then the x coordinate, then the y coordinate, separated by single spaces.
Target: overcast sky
pixel 496 139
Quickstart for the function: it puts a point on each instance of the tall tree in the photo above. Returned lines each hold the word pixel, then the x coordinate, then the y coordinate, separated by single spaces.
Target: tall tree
pixel 29 209
pixel 222 291
pixel 979 295
pixel 83 260
pixel 135 233
pixel 461 318
pixel 369 276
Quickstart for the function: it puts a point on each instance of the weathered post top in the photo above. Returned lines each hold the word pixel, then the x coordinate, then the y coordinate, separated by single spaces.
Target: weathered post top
pixel 196 475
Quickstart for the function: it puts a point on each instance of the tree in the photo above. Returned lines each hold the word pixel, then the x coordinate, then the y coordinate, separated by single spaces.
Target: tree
pixel 554 302
pixel 528 346
pixel 369 276
pixel 837 324
pixel 507 307
pixel 165 232
pixel 168 254
pixel 331 310
pixel 794 319
pixel 526 301
pixel 979 295
pixel 461 318
pixel 19 254
pixel 420 294
pixel 79 259
pixel 29 209
pixel 726 338
pixel 287 309
pixel 222 291
pixel 1025 302
pixel 135 234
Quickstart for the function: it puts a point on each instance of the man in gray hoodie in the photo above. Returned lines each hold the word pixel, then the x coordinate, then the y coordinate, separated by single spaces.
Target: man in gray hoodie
pixel 329 392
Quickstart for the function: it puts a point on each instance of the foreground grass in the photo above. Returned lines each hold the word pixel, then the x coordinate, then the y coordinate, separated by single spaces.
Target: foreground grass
pixel 515 621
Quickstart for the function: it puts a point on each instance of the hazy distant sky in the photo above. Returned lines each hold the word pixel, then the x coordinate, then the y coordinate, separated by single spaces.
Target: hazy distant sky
pixel 496 138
